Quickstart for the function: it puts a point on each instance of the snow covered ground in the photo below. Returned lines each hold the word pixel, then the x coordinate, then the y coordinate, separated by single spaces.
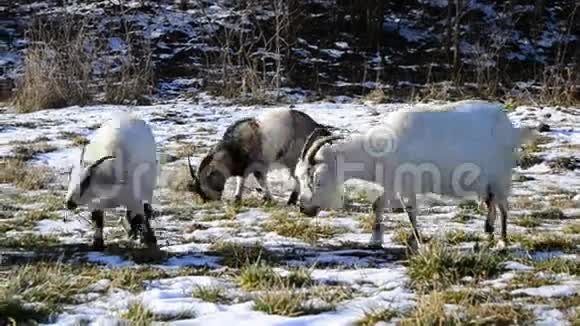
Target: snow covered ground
pixel 188 233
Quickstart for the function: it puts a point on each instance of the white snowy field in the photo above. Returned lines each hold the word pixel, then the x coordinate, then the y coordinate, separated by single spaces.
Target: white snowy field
pixel 347 281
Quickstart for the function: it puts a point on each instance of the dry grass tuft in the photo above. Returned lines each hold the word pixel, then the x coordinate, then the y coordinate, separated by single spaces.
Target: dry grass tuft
pixel 16 311
pixel 57 66
pixel 374 316
pixel 23 176
pixel 376 96
pixel 572 228
pixel 257 276
pixel 28 151
pixel 458 236
pixel 76 138
pixel 549 214
pixel 527 160
pixel 138 315
pixel 437 266
pixel 29 241
pixel 260 276
pixel 286 302
pixel 470 205
pixel 527 222
pixel 544 242
pixel 212 294
pixel 526 203
pixel 431 310
pixel 300 228
pixel 236 255
pixel 366 222
pixel 530 280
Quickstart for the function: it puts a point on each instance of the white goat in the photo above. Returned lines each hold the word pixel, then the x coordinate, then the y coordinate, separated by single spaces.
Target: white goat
pixel 463 152
pixel 117 168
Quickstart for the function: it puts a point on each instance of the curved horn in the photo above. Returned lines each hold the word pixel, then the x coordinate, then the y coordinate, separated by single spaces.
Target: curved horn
pixel 82 155
pixel 99 161
pixel 318 145
pixel 191 170
pixel 314 135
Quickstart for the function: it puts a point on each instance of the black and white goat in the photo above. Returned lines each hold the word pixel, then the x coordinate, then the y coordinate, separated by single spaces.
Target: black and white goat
pixel 254 146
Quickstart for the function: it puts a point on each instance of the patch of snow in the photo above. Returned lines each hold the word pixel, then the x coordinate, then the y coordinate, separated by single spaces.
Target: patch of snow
pixel 549 291
pixel 108 260
pixel 333 53
pixel 196 261
pixel 515 266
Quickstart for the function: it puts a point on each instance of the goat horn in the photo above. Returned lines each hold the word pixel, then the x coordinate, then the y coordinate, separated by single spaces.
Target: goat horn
pixel 82 155
pixel 318 145
pixel 191 170
pixel 99 161
pixel 314 135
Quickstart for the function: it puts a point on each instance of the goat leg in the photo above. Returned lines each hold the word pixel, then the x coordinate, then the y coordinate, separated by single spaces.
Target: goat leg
pixel 378 227
pixel 97 217
pixel 148 233
pixel 261 178
pixel 294 195
pixel 240 181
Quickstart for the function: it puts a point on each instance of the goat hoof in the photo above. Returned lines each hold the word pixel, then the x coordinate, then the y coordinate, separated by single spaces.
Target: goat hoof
pixel 293 199
pixel 149 239
pixel 98 244
pixel 376 239
pixel 267 199
pixel 375 244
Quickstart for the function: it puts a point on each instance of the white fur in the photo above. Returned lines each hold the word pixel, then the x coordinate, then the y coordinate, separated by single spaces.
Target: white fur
pixel 276 132
pixel 473 132
pixel 131 141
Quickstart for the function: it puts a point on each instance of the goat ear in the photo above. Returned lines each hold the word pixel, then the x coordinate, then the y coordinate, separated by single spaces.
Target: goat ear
pixel 314 135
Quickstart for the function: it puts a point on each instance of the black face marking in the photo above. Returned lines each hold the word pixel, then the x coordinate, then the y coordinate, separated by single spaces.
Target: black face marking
pixel 280 154
pixel 217 181
pixel 85 183
pixel 241 154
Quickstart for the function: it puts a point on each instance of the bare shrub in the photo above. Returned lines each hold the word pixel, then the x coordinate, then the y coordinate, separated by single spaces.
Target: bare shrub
pixel 251 63
pixel 24 176
pixel 128 75
pixel 559 85
pixel 57 65
pixel 130 78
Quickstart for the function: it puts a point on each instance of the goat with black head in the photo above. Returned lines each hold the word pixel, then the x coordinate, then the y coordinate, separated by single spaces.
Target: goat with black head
pixel 253 146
